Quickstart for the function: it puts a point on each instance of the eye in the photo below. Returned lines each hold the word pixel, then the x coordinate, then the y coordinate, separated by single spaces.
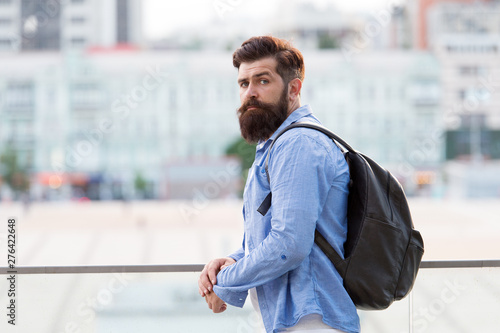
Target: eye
pixel 244 84
pixel 264 81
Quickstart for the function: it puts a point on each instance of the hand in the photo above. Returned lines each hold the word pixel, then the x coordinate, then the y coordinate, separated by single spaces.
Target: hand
pixel 208 277
pixel 215 303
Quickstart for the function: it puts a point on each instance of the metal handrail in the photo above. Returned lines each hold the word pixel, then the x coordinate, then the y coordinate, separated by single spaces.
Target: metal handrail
pixel 178 268
pixel 460 264
pixel 103 269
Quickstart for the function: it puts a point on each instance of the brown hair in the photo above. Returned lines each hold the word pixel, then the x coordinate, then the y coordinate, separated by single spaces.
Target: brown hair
pixel 290 60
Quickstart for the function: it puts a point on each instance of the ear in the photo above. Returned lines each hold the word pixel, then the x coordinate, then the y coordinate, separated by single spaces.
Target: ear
pixel 294 88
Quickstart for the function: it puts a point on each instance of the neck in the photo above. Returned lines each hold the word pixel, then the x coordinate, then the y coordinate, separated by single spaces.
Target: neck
pixel 294 106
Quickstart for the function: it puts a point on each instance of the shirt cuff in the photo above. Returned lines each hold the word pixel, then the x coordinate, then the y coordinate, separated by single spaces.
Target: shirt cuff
pixel 234 298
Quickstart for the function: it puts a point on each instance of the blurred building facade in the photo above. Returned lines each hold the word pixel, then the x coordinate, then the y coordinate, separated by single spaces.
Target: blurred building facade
pixel 103 119
pixel 93 118
pixel 46 25
pixel 311 27
pixel 466 40
pixel 465 37
pixel 387 110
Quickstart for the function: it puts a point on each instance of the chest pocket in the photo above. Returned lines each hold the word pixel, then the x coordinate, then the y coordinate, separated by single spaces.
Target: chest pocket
pixel 257 187
pixel 265 197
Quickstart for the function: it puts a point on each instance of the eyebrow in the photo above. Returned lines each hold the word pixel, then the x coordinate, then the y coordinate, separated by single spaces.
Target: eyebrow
pixel 256 75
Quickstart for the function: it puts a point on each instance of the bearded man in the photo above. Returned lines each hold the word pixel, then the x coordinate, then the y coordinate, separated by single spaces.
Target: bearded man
pixel 292 284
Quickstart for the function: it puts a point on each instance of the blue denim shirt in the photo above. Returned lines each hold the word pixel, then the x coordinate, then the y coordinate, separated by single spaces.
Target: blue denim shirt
pixel 309 178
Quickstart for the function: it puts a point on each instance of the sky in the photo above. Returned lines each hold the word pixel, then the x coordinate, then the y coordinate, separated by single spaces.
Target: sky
pixel 161 17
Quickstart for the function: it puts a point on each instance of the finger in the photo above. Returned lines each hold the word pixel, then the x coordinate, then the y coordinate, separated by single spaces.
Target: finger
pixel 204 282
pixel 222 307
pixel 212 275
pixel 214 269
pixel 209 302
pixel 201 289
pixel 218 304
pixel 208 275
pixel 201 286
pixel 218 308
pixel 229 262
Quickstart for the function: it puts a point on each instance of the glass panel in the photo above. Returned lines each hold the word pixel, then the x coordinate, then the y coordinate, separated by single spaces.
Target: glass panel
pixel 394 319
pixel 456 300
pixel 443 300
pixel 118 302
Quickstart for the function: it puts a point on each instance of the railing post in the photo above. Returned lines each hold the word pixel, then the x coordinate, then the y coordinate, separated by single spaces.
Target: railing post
pixel 410 315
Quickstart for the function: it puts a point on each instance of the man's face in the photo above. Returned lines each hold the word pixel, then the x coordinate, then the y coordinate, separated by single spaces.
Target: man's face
pixel 264 99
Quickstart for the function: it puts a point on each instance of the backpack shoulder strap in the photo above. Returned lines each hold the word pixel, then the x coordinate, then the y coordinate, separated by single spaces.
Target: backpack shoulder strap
pixel 266 204
pixel 323 244
pixel 324 130
pixel 318 127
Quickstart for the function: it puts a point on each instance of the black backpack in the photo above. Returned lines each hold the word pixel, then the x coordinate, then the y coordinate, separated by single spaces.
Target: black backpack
pixel 382 251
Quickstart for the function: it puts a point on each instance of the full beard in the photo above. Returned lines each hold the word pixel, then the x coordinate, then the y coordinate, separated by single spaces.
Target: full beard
pixel 260 123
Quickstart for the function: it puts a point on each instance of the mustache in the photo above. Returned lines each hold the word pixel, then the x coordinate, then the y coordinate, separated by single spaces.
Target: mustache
pixel 254 102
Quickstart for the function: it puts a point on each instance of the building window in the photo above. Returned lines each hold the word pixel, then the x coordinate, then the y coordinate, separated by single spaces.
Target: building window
pixel 77 42
pixel 78 20
pixel 86 96
pixel 473 70
pixel 41 30
pixel 5 43
pixel 5 21
pixel 474 95
pixel 473 120
pixel 19 95
pixel 122 24
pixel 462 94
pixel 472 48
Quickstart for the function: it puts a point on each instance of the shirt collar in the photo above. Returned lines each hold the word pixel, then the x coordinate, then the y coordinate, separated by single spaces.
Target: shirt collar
pixel 295 116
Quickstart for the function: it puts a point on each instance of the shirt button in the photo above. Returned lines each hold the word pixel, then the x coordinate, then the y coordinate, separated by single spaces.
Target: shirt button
pixel 263 170
pixel 283 257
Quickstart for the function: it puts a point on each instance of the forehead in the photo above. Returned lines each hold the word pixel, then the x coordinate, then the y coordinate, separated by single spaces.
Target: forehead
pixel 249 69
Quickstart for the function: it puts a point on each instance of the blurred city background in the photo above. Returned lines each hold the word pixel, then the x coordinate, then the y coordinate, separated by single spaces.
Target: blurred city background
pixel 120 145
pixel 93 108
